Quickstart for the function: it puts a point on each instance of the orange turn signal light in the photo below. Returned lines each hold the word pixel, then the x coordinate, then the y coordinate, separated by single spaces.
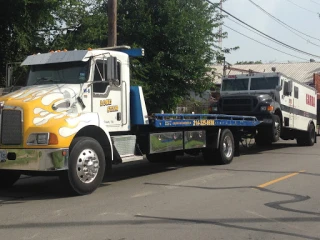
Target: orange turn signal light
pixel 270 108
pixel 53 139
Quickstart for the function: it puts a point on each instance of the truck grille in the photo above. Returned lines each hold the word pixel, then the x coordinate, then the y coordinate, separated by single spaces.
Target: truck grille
pixel 11 127
pixel 238 105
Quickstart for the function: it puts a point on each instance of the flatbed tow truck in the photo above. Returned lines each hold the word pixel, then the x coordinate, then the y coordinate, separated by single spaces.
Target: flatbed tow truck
pixel 78 116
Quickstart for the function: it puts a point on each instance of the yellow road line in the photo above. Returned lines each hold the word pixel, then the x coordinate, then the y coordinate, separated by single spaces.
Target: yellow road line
pixel 279 179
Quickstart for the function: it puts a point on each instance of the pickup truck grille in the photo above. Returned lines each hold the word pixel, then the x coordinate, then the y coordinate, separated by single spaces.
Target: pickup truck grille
pixel 238 105
pixel 11 127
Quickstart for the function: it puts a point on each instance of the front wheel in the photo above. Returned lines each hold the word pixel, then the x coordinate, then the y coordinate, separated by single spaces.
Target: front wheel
pixel 86 165
pixel 225 153
pixel 276 128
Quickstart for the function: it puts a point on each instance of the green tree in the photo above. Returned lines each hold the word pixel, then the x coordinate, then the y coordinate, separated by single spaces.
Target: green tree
pixel 29 26
pixel 180 41
pixel 88 27
pixel 20 20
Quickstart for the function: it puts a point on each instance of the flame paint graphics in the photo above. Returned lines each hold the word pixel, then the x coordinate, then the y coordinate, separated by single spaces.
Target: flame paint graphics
pixel 39 116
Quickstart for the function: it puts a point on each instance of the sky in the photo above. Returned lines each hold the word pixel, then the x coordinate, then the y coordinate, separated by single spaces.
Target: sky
pixel 298 14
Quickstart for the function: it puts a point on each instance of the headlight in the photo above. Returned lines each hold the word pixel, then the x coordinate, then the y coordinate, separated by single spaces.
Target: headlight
pixel 266 108
pixel 42 139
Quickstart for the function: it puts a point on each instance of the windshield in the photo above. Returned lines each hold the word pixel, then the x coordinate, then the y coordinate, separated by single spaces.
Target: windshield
pixel 67 73
pixel 240 84
pixel 264 83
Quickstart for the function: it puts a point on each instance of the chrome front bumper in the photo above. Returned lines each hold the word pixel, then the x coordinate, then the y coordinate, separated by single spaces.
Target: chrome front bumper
pixel 34 159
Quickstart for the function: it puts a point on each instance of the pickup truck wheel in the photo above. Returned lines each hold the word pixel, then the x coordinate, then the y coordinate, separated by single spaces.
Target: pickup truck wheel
pixel 225 153
pixel 86 166
pixel 311 135
pixel 8 178
pixel 307 138
pixel 161 157
pixel 276 128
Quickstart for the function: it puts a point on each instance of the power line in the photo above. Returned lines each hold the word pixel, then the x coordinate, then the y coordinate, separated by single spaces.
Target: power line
pixel 250 29
pixel 265 44
pixel 279 42
pixel 315 2
pixel 286 25
pixel 302 7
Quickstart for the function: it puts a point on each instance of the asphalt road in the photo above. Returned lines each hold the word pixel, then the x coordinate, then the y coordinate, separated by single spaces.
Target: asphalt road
pixel 263 194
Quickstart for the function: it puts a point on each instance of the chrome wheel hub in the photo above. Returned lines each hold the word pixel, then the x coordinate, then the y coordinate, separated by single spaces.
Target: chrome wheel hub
pixel 277 128
pixel 87 166
pixel 227 146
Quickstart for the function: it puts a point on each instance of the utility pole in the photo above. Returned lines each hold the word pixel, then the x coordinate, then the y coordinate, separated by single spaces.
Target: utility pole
pixel 220 28
pixel 112 23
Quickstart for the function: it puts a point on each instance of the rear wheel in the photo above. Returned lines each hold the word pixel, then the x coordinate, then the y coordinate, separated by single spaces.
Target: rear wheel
pixel 307 138
pixel 86 166
pixel 8 178
pixel 225 153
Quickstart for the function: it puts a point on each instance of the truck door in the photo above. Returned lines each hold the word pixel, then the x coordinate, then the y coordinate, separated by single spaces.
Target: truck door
pixel 287 104
pixel 107 97
pixel 296 106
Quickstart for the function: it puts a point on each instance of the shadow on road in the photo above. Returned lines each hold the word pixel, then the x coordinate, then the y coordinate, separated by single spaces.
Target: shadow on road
pixel 254 149
pixel 36 188
pixel 33 188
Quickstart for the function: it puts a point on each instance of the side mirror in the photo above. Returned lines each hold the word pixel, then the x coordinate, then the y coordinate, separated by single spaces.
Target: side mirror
pixel 112 73
pixel 9 75
pixel 279 88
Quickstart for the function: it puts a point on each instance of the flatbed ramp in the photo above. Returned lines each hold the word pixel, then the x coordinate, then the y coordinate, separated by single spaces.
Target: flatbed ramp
pixel 201 120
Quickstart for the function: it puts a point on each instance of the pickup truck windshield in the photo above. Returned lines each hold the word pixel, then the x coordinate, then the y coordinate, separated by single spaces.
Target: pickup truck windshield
pixel 240 84
pixel 66 73
pixel 264 83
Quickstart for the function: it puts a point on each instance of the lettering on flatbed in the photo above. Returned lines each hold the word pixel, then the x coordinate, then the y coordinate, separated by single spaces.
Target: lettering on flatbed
pixel 203 122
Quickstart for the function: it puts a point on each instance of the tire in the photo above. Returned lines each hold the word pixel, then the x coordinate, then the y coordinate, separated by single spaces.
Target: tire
pixel 86 166
pixel 307 138
pixel 225 153
pixel 267 136
pixel 8 178
pixel 161 157
pixel 276 128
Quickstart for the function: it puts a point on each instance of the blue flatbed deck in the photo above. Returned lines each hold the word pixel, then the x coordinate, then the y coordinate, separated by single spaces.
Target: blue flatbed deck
pixel 202 120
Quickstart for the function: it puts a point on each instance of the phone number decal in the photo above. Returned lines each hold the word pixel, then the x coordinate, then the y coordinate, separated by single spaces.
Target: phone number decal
pixel 203 122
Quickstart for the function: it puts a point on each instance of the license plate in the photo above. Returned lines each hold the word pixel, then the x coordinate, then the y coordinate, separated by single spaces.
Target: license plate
pixel 3 155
